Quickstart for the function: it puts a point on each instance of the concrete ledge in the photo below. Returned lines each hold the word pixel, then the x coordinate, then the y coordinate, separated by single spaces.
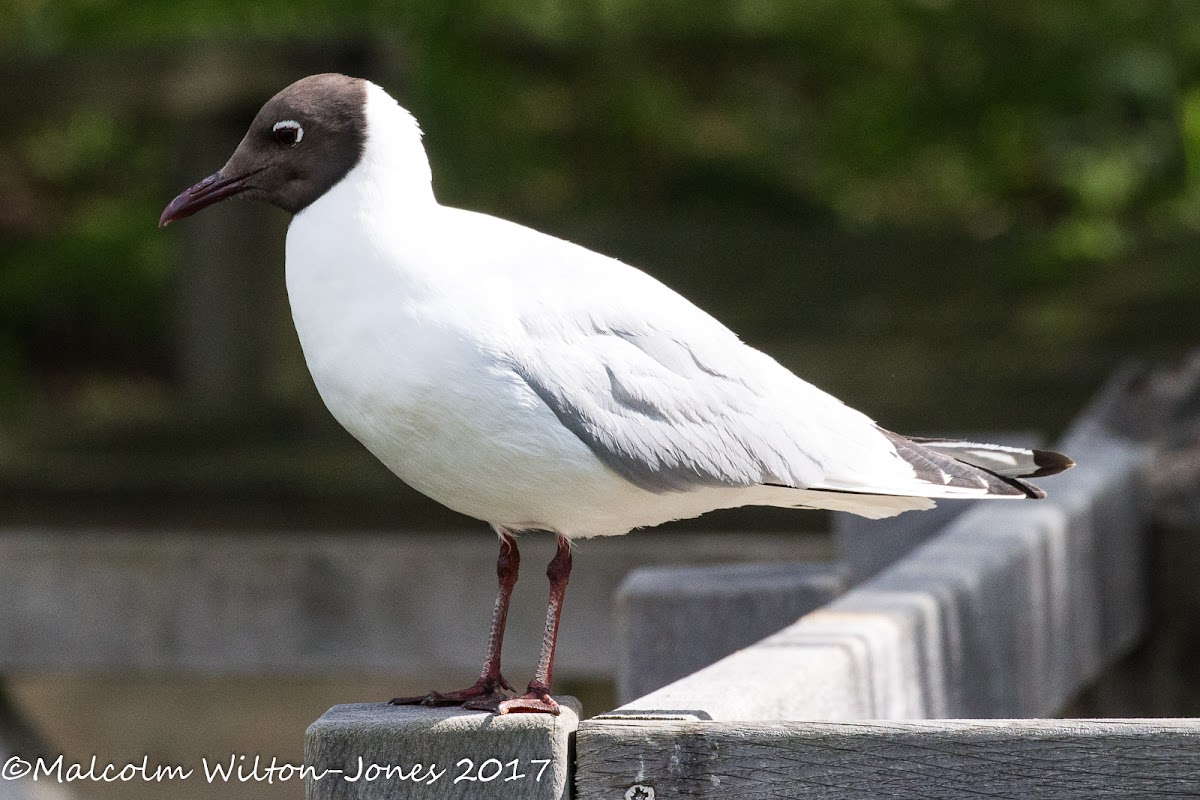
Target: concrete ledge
pixel 377 751
pixel 944 760
pixel 673 621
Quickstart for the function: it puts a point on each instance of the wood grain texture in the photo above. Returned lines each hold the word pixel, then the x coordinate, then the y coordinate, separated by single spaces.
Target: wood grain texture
pixel 943 760
pixel 439 753
pixel 673 621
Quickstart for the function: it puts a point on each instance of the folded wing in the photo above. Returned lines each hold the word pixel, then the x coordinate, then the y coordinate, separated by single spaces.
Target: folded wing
pixel 671 416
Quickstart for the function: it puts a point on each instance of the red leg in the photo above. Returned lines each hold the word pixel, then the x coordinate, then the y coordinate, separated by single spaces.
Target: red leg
pixel 537 697
pixel 490 682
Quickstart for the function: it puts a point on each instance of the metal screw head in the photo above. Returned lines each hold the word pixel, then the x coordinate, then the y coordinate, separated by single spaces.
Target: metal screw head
pixel 639 792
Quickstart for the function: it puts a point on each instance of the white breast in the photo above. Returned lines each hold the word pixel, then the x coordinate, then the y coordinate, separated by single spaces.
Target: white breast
pixel 401 365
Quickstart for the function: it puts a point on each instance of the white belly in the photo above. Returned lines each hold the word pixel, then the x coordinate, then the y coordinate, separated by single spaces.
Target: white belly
pixel 473 436
pixel 487 447
pixel 449 419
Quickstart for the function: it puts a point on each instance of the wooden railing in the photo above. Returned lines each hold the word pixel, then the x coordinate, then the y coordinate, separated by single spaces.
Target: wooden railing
pixel 1007 612
pixel 888 674
pixel 934 678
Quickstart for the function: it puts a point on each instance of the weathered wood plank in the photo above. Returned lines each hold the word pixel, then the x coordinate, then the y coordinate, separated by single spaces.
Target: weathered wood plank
pixel 773 680
pixel 943 760
pixel 372 751
pixel 1007 613
pixel 672 621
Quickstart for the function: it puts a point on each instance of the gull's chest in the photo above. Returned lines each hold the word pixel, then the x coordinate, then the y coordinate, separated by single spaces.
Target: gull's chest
pixel 385 367
pixel 432 401
pixel 421 377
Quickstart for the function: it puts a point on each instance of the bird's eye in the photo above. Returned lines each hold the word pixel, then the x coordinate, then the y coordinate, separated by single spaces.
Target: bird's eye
pixel 288 132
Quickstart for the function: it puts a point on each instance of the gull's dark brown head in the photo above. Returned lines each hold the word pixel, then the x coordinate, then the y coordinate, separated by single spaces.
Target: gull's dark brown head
pixel 301 143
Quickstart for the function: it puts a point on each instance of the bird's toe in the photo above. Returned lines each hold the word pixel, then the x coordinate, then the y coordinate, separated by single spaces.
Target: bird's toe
pixel 485 690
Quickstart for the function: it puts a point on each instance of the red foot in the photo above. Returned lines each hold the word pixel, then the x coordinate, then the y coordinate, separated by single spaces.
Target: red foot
pixel 535 701
pixel 484 690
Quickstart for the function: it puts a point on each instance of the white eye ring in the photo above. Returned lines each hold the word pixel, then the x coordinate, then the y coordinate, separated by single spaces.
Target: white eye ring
pixel 292 125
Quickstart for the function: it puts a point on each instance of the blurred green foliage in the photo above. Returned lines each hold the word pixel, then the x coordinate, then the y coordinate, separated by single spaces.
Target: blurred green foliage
pixel 1068 130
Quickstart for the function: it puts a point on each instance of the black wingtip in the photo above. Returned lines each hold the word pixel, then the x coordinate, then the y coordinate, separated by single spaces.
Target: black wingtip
pixel 1012 487
pixel 1049 462
pixel 1031 491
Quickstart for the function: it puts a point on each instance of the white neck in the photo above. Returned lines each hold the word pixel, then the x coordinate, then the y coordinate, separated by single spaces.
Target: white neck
pixel 394 152
pixel 393 172
pixel 351 241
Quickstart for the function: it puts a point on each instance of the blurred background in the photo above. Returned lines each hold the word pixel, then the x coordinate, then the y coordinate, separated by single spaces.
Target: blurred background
pixel 955 216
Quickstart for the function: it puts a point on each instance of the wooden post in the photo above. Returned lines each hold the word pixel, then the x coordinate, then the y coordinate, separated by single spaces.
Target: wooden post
pixel 673 621
pixel 374 751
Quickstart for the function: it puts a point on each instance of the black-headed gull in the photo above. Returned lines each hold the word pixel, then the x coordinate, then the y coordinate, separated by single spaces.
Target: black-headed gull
pixel 536 385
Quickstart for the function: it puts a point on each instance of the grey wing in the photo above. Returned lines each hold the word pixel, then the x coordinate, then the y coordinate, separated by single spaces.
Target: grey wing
pixel 664 416
pixel 670 417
